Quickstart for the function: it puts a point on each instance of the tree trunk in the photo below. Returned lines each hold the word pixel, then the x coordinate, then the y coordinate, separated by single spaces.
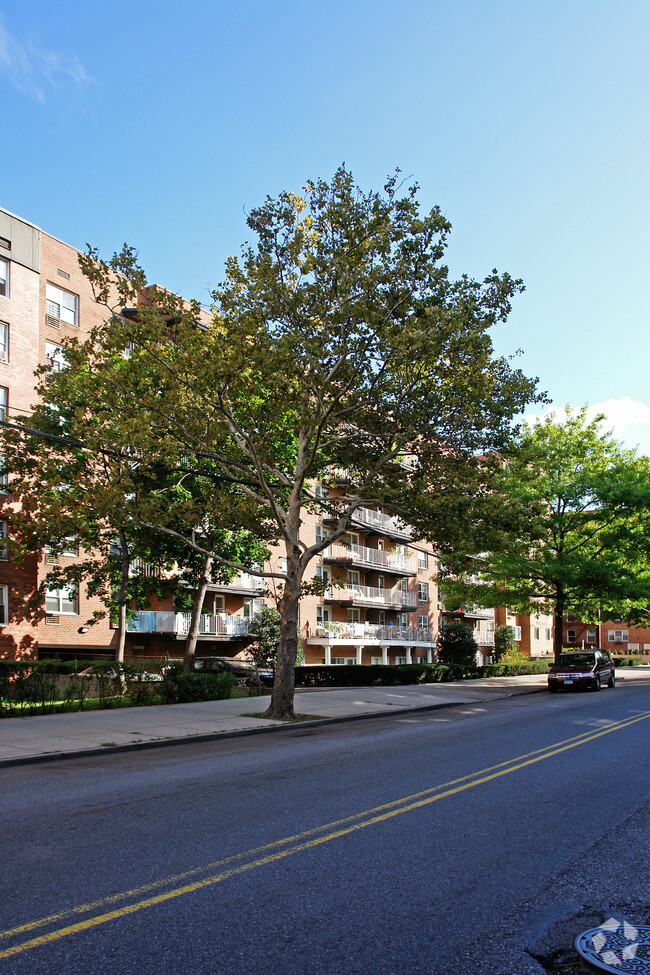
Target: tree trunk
pixel 281 705
pixel 197 609
pixel 121 598
pixel 558 624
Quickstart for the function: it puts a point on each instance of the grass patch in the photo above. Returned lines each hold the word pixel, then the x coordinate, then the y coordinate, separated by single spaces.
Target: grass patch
pixel 298 717
pixel 108 744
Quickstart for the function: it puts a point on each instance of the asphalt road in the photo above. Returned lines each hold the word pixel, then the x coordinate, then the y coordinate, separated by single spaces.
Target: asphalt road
pixel 457 841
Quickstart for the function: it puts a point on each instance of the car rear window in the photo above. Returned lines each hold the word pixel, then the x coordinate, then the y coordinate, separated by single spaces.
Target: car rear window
pixel 567 659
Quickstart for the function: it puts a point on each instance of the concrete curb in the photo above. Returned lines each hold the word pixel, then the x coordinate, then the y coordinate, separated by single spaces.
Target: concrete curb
pixel 138 746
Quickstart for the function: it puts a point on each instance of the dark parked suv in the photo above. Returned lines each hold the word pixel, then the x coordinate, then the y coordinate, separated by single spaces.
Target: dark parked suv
pixel 245 672
pixel 582 668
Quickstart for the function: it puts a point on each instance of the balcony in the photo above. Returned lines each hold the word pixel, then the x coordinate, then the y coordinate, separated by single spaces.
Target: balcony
pixel 384 524
pixel 484 638
pixel 178 624
pixel 243 584
pixel 476 612
pixel 357 595
pixel 371 558
pixel 373 632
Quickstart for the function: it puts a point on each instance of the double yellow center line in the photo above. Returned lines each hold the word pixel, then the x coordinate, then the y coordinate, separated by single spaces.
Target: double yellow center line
pixel 114 907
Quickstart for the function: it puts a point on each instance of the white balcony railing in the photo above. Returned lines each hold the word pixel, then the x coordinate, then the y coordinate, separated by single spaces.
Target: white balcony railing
pixel 375 631
pixel 178 624
pixel 372 558
pixel 382 523
pixel 243 582
pixel 484 638
pixel 372 596
pixel 478 612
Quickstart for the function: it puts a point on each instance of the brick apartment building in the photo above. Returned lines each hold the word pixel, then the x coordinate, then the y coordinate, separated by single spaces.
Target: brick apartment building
pixel 612 635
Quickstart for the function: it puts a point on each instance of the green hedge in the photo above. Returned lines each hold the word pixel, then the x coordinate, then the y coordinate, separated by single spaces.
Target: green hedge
pixel 384 675
pixel 516 669
pixel 352 675
pixel 628 661
pixel 50 686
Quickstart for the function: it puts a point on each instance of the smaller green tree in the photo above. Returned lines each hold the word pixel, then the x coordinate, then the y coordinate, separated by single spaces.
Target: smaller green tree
pixel 267 626
pixel 504 641
pixel 456 645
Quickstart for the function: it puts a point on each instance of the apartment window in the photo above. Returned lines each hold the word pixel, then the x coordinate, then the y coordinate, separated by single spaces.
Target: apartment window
pixel 400 660
pixel 423 560
pixel 382 617
pixel 375 661
pixel 548 632
pixel 343 661
pixel 71 547
pixel 4 555
pixel 591 636
pixel 404 619
pixel 3 473
pixel 570 636
pixel 354 615
pixel 4 277
pixel 517 630
pixel 320 491
pixel 381 582
pixel 618 636
pixel 61 306
pixel 55 356
pixel 4 605
pixel 404 585
pixel 320 533
pixel 423 592
pixel 251 607
pixel 4 403
pixel 63 601
pixel 4 342
pixel 536 633
pixel 423 622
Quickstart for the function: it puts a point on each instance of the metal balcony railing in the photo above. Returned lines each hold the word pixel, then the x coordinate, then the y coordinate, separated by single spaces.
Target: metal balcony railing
pixel 371 558
pixel 375 631
pixel 178 624
pixel 380 522
pixel 372 596
pixel 484 638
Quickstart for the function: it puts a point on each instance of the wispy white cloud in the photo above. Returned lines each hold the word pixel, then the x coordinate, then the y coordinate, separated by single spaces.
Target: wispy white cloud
pixel 627 419
pixel 35 70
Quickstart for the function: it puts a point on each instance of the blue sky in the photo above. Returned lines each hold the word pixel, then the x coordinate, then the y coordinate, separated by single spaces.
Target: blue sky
pixel 160 124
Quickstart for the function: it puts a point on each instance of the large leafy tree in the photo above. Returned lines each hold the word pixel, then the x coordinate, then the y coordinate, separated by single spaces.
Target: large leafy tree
pixel 71 486
pixel 339 351
pixel 573 534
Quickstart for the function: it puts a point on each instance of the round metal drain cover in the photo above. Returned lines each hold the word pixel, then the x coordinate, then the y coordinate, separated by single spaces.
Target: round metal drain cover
pixel 616 946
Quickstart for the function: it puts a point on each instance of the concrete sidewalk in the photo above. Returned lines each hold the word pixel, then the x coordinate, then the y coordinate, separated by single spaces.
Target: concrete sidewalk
pixel 57 736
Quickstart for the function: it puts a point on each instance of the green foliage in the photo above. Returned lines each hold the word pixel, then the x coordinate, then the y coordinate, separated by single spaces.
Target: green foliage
pixel 180 686
pixel 266 625
pixel 381 675
pixel 456 645
pixel 504 641
pixel 571 508
pixel 516 668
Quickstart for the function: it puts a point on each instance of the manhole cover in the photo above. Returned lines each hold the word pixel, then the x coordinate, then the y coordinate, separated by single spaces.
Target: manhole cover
pixel 616 946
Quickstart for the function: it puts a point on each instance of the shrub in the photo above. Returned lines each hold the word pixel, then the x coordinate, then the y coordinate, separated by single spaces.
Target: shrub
pixel 181 686
pixel 456 645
